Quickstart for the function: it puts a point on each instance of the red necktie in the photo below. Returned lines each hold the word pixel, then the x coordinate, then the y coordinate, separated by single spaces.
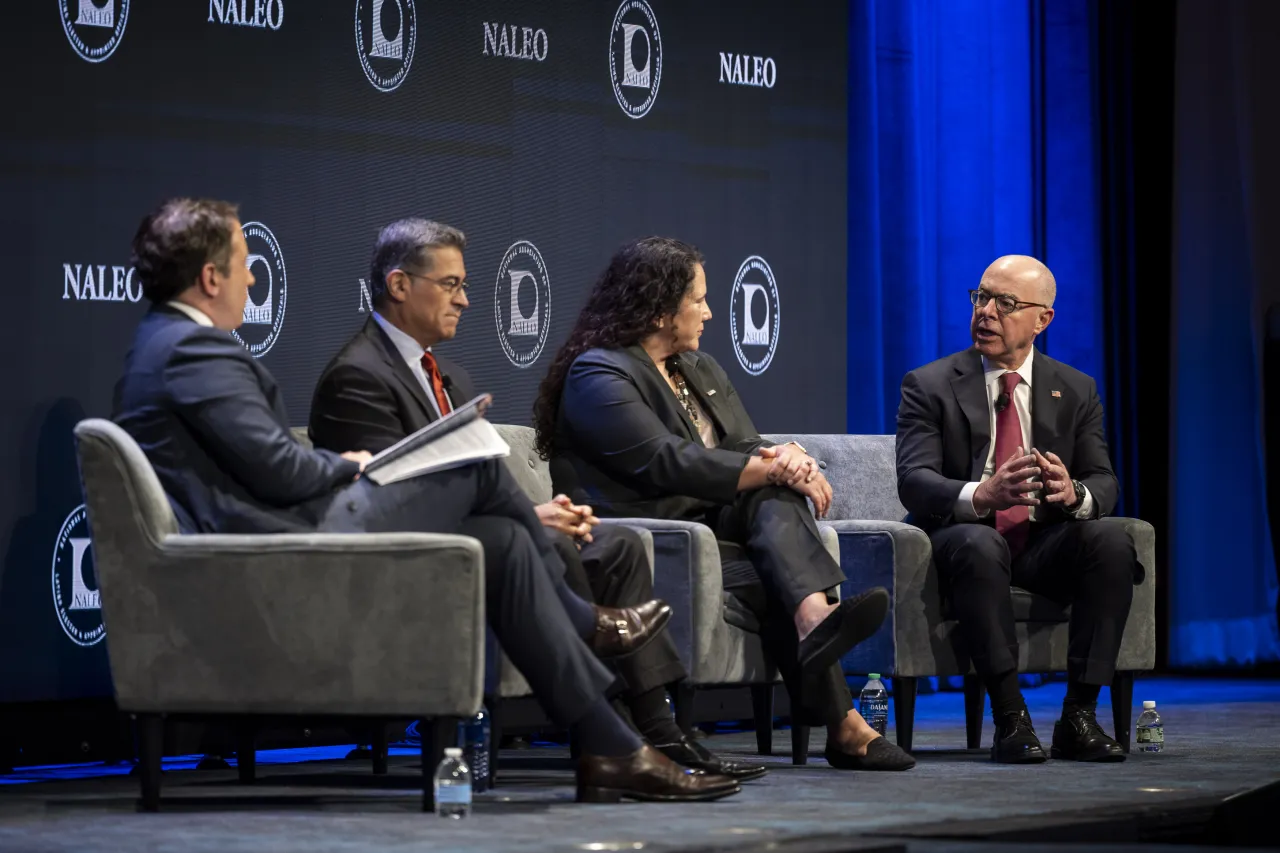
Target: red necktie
pixel 437 383
pixel 1013 523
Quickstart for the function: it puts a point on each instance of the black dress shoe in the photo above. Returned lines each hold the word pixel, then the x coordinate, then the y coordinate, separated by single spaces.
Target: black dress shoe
pixel 1078 737
pixel 626 630
pixel 1015 741
pixel 853 620
pixel 647 774
pixel 692 754
pixel 881 755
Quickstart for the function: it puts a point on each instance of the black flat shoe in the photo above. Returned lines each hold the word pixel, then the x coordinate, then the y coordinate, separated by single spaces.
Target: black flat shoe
pixel 1015 740
pixel 694 755
pixel 853 620
pixel 1078 737
pixel 881 755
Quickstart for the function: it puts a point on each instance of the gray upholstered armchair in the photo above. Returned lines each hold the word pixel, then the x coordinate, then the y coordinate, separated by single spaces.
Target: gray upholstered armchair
pixel 920 639
pixel 354 627
pixel 718 641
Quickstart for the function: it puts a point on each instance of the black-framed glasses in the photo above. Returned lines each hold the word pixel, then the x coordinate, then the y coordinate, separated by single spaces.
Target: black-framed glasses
pixel 450 284
pixel 1005 303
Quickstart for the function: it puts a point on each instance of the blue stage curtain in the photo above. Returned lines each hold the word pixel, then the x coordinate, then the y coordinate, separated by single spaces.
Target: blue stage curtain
pixel 1223 587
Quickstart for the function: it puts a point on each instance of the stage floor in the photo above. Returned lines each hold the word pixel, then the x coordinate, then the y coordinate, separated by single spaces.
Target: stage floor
pixel 1221 739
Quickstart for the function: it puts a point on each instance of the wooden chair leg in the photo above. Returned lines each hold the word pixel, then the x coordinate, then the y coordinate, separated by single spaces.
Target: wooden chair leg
pixel 904 709
pixel 975 695
pixel 683 701
pixel 150 752
pixel 246 752
pixel 436 735
pixel 1122 707
pixel 762 711
pixel 379 748
pixel 799 743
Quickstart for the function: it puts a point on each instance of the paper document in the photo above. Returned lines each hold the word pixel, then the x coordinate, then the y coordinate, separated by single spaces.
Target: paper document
pixel 459 438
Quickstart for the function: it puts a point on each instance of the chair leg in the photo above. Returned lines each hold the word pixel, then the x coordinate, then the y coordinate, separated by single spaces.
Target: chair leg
pixel 762 711
pixel 379 748
pixel 975 695
pixel 436 735
pixel 683 701
pixel 150 751
pixel 904 709
pixel 494 704
pixel 799 743
pixel 1122 707
pixel 246 752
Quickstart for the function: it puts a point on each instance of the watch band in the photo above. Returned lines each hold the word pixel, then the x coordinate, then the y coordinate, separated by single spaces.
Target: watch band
pixel 799 445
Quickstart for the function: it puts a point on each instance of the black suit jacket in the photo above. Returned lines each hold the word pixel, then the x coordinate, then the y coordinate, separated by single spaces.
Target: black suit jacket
pixel 626 446
pixel 211 421
pixel 944 432
pixel 368 399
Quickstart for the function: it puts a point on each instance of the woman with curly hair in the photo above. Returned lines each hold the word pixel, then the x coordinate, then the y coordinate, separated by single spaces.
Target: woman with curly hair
pixel 636 422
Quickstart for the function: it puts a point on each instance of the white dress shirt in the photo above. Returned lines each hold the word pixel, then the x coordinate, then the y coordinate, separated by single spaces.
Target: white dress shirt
pixel 411 351
pixel 1021 402
pixel 191 311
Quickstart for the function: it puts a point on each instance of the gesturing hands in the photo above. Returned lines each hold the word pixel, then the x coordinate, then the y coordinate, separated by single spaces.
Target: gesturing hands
pixel 1013 484
pixel 797 470
pixel 563 515
pixel 1058 487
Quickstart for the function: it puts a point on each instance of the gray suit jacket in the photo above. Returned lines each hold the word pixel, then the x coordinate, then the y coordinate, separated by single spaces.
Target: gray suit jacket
pixel 626 446
pixel 944 432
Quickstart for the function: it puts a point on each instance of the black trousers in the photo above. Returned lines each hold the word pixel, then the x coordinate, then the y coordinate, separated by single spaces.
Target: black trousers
pixel 521 570
pixel 1089 565
pixel 613 570
pixel 772 558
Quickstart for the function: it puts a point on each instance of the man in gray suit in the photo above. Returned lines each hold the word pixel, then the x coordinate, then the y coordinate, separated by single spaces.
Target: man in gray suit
pixel 1002 460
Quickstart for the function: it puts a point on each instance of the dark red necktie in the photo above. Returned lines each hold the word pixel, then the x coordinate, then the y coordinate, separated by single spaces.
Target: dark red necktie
pixel 1013 523
pixel 437 383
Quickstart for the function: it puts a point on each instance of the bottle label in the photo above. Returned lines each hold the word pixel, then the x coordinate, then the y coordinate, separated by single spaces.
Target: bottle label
pixel 1153 734
pixel 453 795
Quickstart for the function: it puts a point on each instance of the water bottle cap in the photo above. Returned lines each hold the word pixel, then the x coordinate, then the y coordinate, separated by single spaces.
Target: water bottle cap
pixel 874 676
pixel 452 752
pixel 1148 705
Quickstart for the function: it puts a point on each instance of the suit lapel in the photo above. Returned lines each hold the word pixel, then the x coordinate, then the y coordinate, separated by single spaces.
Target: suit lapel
pixel 1045 407
pixel 391 356
pixel 701 386
pixel 971 394
pixel 647 366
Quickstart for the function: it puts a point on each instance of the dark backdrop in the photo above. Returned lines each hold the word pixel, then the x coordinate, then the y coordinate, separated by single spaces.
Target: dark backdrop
pixel 532 145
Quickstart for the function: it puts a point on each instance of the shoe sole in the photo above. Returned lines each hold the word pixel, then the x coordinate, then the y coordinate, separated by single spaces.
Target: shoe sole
pixel 860 617
pixel 617 795
pixel 1059 755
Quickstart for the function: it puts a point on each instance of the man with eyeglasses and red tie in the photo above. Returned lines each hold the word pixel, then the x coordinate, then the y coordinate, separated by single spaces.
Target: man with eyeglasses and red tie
pixel 387 382
pixel 1003 461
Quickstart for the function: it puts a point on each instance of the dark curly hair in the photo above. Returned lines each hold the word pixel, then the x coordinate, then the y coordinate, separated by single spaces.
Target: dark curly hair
pixel 644 282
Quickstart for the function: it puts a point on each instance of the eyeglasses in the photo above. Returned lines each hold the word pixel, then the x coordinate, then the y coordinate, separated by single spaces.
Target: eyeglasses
pixel 450 284
pixel 1005 303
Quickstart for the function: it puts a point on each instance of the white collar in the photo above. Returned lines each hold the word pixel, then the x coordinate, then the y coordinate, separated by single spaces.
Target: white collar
pixel 410 350
pixel 191 311
pixel 992 373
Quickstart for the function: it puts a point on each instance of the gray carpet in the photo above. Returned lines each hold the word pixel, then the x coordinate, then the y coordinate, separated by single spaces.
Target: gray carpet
pixel 1220 740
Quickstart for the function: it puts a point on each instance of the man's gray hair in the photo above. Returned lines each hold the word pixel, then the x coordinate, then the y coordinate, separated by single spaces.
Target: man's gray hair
pixel 407 244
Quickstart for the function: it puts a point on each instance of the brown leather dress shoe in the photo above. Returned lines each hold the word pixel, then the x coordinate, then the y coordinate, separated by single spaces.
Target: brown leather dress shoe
pixel 625 630
pixel 647 774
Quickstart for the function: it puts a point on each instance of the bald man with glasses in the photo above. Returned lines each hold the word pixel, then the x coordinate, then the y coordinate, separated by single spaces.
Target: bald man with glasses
pixel 1002 460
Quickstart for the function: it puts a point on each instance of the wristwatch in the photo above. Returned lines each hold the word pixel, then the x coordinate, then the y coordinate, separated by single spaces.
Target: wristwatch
pixel 1080 493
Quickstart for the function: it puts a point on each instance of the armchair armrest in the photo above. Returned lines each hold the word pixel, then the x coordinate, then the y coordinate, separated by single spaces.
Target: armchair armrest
pixel 898 557
pixel 686 574
pixel 300 623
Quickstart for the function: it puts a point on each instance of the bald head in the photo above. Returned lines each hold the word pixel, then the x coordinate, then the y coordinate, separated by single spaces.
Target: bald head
pixel 1021 274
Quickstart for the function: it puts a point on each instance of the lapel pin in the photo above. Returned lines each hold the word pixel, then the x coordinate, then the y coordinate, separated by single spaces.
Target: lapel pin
pixel 1055 393
pixel 711 393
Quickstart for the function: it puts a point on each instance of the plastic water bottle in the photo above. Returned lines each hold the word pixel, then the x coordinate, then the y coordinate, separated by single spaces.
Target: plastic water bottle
pixel 1150 729
pixel 473 734
pixel 873 703
pixel 453 785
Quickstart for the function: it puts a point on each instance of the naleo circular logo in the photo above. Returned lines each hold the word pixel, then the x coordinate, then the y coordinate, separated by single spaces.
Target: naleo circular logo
pixel 754 315
pixel 522 303
pixel 386 34
pixel 94 27
pixel 75 590
pixel 635 57
pixel 264 309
